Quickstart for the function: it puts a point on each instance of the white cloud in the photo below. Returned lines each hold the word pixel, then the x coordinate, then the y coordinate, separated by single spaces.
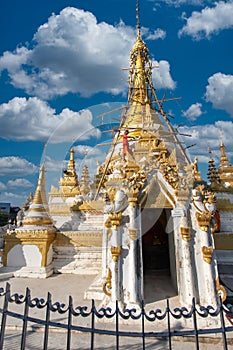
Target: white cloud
pixel 52 165
pixel 88 151
pixel 178 3
pixel 2 186
pixel 19 183
pixel 208 135
pixel 209 20
pixel 219 92
pixel 193 112
pixel 162 76
pixel 72 53
pixel 16 166
pixel 94 155
pixel 14 199
pixel 156 34
pixel 31 119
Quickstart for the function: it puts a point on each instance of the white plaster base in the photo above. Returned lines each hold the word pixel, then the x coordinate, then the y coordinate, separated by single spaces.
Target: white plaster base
pixel 77 260
pixel 95 290
pixel 28 272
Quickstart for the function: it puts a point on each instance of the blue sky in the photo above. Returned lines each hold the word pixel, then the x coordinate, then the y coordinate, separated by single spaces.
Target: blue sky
pixel 60 66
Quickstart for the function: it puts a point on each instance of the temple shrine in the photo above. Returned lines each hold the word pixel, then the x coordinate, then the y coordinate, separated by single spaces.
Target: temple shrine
pixel 146 212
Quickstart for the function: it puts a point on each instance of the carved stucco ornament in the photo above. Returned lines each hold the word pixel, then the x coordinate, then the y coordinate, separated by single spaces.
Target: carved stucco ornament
pixel 203 220
pixel 185 233
pixel 107 285
pixel 207 253
pixel 115 251
pixel 221 290
pixel 205 204
pixel 133 233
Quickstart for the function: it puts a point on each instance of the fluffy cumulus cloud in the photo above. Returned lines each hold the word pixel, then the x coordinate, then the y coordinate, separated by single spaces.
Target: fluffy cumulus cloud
pixel 219 92
pixel 72 52
pixel 32 119
pixel 16 166
pixel 208 135
pixel 209 20
pixel 193 112
pixel 162 76
pixel 24 183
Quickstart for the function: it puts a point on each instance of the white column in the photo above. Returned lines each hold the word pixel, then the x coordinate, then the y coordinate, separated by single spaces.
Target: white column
pixel 184 266
pixel 105 247
pixel 133 236
pixel 205 264
pixel 115 248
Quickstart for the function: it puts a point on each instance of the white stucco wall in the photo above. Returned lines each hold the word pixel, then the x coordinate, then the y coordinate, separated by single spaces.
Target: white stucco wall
pixel 24 255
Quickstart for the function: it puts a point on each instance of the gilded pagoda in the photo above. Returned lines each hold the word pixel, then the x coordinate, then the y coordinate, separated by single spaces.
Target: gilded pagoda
pixel 146 212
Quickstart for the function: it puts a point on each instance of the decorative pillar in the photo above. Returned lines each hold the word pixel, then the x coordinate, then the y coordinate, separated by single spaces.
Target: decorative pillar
pixel 203 209
pixel 133 236
pixel 115 249
pixel 185 273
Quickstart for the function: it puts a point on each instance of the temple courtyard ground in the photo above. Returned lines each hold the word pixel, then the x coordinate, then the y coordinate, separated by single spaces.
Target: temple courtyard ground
pixel 61 286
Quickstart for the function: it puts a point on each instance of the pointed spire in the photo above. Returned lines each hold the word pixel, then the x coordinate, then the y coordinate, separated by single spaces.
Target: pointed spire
pixel 40 194
pixel 37 214
pixel 138 16
pixel 223 157
pixel 212 171
pixel 85 180
pixel 139 114
pixel 70 177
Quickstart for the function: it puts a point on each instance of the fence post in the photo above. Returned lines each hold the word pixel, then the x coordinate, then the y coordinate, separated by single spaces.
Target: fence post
pixel 4 314
pixel 92 323
pixel 47 319
pixel 195 324
pixel 25 319
pixel 224 338
pixel 117 326
pixel 143 326
pixel 169 325
pixel 69 323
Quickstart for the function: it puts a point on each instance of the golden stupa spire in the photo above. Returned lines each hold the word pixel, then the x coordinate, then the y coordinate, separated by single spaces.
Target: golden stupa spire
pixel 223 157
pixel 40 194
pixel 70 177
pixel 140 67
pixel 212 171
pixel 139 114
pixel 38 209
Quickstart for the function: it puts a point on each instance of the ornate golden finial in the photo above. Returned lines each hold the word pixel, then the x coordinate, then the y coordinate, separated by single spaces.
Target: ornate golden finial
pixel 140 82
pixel 138 16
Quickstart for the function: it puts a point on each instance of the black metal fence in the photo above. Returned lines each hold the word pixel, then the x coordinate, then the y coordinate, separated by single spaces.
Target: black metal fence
pixel 224 314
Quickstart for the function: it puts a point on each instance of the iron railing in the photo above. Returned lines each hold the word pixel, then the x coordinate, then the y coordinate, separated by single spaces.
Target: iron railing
pixel 70 313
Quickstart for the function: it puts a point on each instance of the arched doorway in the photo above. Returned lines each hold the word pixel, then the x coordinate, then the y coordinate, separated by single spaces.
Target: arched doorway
pixel 158 254
pixel 155 246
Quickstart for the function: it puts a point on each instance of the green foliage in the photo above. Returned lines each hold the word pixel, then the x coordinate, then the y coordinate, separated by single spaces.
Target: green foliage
pixel 4 217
